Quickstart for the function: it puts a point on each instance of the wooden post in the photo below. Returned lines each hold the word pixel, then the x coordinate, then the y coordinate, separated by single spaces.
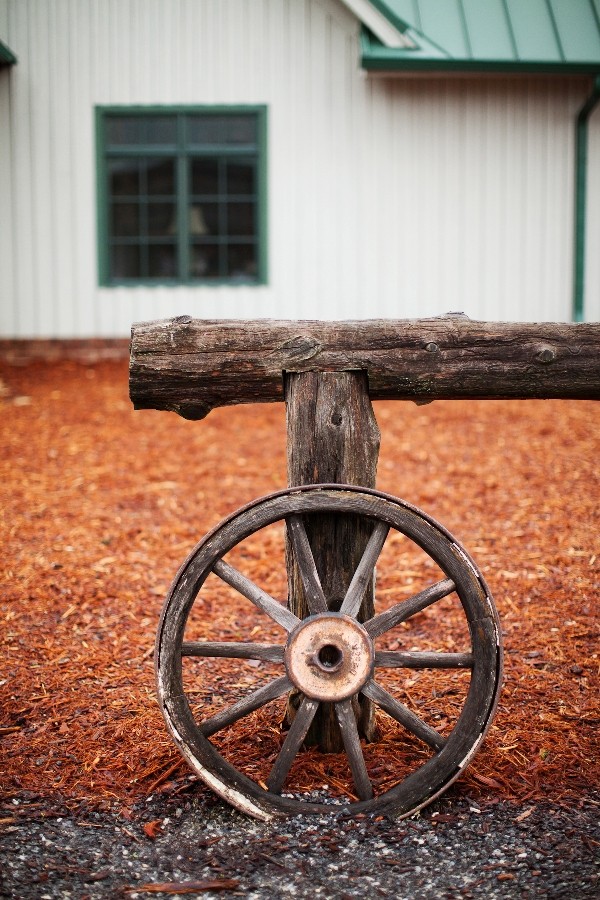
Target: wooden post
pixel 332 438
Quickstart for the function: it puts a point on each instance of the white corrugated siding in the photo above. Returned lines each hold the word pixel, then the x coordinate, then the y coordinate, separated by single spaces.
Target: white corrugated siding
pixel 387 197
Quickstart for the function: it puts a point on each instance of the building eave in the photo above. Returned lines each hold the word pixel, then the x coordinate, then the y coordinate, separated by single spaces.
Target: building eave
pixel 499 36
pixel 386 28
pixel 380 59
pixel 7 57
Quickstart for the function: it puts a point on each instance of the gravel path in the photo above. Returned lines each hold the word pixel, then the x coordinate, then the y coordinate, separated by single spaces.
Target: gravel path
pixel 453 849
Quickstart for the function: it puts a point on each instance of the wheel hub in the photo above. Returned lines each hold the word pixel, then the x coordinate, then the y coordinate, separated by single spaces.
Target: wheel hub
pixel 329 657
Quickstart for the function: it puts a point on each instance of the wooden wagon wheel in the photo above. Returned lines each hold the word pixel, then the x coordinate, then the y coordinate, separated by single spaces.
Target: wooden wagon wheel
pixel 330 656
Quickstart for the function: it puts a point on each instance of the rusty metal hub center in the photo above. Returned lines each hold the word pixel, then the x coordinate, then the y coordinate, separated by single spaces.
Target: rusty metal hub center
pixel 329 657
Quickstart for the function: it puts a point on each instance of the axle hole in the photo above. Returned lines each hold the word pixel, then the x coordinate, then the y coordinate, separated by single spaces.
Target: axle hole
pixel 330 656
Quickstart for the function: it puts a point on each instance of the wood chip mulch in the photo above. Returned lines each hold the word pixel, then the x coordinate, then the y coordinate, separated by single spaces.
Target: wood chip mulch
pixel 100 505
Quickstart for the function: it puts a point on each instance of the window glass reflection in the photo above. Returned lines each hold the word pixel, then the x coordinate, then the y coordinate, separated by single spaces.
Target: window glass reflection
pixel 139 130
pixel 240 219
pixel 205 176
pixel 241 130
pixel 162 261
pixel 207 129
pixel 126 262
pixel 124 177
pixel 125 219
pixel 204 219
pixel 241 177
pixel 162 219
pixel 241 261
pixel 204 261
pixel 160 177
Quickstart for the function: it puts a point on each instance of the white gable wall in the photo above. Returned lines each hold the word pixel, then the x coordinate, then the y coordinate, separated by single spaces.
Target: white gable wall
pixel 387 197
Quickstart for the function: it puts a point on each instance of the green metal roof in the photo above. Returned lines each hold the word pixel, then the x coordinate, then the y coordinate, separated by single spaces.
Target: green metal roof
pixel 561 36
pixel 7 57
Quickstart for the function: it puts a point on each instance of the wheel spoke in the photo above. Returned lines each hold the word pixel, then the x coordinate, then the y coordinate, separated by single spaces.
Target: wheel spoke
pixel 403 714
pixel 256 595
pixel 364 571
pixel 392 659
pixel 407 608
pixel 248 704
pixel 315 597
pixel 295 736
pixel 347 722
pixel 233 650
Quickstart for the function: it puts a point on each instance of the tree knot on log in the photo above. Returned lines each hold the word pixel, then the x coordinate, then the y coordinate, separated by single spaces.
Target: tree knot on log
pixel 301 347
pixel 545 355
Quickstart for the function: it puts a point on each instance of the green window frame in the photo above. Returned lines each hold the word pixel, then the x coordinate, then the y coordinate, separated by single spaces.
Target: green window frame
pixel 181 195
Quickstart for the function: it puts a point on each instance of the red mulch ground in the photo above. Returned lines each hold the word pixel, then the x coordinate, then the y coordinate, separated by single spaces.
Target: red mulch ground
pixel 100 505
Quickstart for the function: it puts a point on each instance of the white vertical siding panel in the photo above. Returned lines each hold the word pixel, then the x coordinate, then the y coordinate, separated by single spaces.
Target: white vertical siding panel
pixel 374 244
pixel 23 208
pixel 286 207
pixel 61 147
pixel 326 168
pixel 314 168
pixel 348 233
pixel 364 186
pixel 558 199
pixel 474 202
pixel 84 53
pixel 101 41
pixel 98 34
pixel 405 248
pixel 8 313
pixel 343 229
pixel 493 255
pixel 8 290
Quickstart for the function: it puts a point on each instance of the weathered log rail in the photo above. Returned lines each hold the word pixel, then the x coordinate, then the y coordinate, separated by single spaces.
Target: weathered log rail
pixel 190 365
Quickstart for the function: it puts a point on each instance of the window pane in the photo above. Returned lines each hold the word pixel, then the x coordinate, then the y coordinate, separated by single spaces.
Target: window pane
pixel 160 176
pixel 214 128
pixel 136 130
pixel 207 129
pixel 204 261
pixel 205 176
pixel 124 130
pixel 124 177
pixel 241 261
pixel 125 262
pixel 125 219
pixel 162 219
pixel 240 219
pixel 162 261
pixel 204 219
pixel 241 177
pixel 241 129
pixel 161 129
